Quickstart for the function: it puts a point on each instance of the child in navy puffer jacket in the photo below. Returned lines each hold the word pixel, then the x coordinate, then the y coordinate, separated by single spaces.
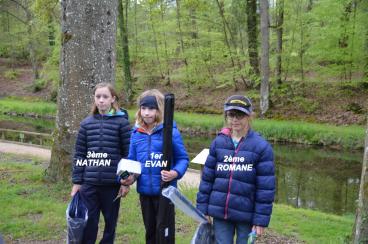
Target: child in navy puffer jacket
pixel 103 139
pixel 146 146
pixel 238 181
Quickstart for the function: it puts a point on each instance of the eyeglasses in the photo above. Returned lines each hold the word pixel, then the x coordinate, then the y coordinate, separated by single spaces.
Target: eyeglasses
pixel 235 114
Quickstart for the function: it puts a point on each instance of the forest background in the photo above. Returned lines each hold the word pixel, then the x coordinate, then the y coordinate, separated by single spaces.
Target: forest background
pixel 203 51
pixel 207 50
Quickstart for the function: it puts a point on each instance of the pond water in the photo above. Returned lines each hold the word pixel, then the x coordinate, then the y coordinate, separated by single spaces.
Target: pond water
pixel 307 177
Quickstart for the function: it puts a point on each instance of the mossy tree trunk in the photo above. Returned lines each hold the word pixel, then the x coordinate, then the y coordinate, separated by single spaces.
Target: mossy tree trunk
pixel 360 232
pixel 87 57
pixel 252 35
pixel 128 81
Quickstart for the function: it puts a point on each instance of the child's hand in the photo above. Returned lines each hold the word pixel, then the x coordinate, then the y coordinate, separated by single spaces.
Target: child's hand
pixel 75 189
pixel 128 181
pixel 167 176
pixel 259 229
pixel 124 190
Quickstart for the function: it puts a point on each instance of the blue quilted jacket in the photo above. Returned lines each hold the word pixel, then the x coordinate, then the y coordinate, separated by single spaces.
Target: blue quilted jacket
pixel 238 184
pixel 101 142
pixel 147 149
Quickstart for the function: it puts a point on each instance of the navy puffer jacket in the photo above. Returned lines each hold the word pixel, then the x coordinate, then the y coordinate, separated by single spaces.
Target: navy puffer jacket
pixel 238 184
pixel 147 149
pixel 101 142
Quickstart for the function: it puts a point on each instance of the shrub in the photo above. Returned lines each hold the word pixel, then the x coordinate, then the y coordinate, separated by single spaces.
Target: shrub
pixel 11 74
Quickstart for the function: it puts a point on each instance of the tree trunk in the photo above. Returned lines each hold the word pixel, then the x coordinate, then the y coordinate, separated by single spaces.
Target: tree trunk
pixel 31 48
pixel 178 19
pixel 126 58
pixel 287 59
pixel 135 28
pixel 51 33
pixel 227 42
pixel 279 32
pixel 252 35
pixel 265 70
pixel 365 70
pixel 87 58
pixel 155 42
pixel 167 76
pixel 344 38
pixel 193 18
pixel 360 231
pixel 301 47
pixel 354 3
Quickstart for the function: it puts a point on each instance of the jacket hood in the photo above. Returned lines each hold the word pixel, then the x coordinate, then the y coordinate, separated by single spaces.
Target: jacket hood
pixel 225 131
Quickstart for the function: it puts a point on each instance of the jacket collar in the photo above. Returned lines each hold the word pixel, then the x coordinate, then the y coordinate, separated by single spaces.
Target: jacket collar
pixel 111 114
pixel 158 128
pixel 226 131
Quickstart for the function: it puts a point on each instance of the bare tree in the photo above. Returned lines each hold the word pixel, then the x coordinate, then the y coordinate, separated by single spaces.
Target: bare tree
pixel 87 57
pixel 360 231
pixel 265 66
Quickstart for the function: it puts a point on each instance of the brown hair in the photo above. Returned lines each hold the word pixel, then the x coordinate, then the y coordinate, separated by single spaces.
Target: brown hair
pixel 114 105
pixel 160 102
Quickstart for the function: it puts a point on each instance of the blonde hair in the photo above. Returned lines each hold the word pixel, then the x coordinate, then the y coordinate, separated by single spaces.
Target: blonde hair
pixel 160 103
pixel 109 86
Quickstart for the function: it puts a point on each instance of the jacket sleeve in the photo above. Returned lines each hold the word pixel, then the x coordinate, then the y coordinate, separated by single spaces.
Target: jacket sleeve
pixel 79 155
pixel 125 132
pixel 207 180
pixel 132 149
pixel 181 159
pixel 265 188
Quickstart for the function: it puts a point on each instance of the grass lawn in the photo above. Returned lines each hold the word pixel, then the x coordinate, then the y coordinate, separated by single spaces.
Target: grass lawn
pixel 33 209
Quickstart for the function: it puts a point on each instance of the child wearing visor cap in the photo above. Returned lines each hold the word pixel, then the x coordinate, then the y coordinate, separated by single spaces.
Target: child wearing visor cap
pixel 238 181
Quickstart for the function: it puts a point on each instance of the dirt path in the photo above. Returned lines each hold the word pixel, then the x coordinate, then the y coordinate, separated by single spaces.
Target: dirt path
pixel 190 179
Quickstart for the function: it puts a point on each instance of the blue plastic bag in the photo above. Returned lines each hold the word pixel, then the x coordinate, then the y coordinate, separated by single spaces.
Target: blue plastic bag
pixel 76 218
pixel 204 234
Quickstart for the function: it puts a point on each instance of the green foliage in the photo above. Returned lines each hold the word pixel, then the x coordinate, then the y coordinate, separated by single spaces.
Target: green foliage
pixel 11 105
pixel 39 85
pixel 306 105
pixel 11 74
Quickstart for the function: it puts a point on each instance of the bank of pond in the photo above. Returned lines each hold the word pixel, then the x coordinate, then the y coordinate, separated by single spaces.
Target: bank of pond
pixel 347 137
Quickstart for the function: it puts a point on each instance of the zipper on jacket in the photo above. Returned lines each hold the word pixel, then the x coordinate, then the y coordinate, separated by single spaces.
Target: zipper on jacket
pixel 100 142
pixel 231 178
pixel 149 153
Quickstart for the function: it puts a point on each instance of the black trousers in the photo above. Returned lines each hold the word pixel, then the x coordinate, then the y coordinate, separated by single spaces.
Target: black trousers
pixel 100 199
pixel 150 211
